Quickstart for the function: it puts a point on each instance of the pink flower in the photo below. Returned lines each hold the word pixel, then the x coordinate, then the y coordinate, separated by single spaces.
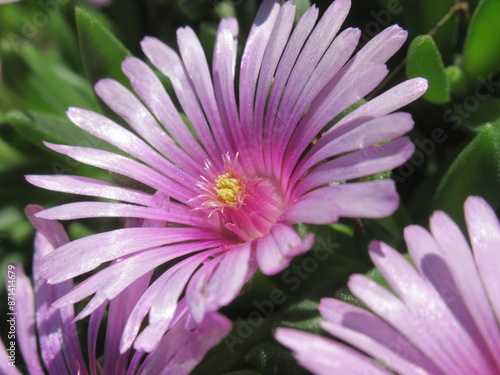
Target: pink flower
pixel 443 315
pixel 41 328
pixel 228 188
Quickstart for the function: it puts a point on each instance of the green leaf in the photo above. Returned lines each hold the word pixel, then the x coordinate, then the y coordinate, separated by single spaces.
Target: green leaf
pixel 481 53
pixel 272 358
pixel 424 60
pixel 476 171
pixel 101 51
pixel 66 88
pixel 38 127
pixel 300 8
pixel 457 79
pixel 303 316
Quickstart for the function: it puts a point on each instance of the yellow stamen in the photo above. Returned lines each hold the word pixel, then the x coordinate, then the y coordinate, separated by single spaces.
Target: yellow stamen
pixel 227 188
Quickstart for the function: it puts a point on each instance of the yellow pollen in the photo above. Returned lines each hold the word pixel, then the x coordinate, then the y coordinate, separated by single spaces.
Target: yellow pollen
pixel 227 188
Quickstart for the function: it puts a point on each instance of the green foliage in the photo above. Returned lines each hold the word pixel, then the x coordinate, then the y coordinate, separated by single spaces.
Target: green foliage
pixel 424 60
pixel 481 53
pixel 476 171
pixel 102 53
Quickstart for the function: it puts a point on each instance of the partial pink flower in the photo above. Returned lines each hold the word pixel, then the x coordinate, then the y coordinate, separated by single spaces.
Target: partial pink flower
pixel 40 328
pixel 441 317
pixel 229 187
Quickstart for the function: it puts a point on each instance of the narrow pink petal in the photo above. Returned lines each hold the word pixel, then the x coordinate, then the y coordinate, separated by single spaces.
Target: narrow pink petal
pixel 460 260
pixel 195 292
pixel 118 313
pixel 394 312
pixel 335 57
pixel 223 283
pixel 274 50
pixel 224 56
pixel 427 306
pixel 178 188
pixel 364 133
pixel 365 331
pixel 251 61
pixel 372 199
pixel 85 254
pixel 340 93
pixel 288 240
pixel 322 356
pixel 52 231
pixel 92 335
pixel 270 259
pixel 430 259
pixel 57 332
pixel 140 311
pixel 387 102
pixel 285 66
pixel 484 233
pixel 23 318
pixel 163 307
pixel 135 113
pixel 180 350
pixel 317 44
pixel 90 187
pixel 169 63
pixel 196 66
pixel 81 210
pixel 359 164
pixel 149 88
pixel 109 282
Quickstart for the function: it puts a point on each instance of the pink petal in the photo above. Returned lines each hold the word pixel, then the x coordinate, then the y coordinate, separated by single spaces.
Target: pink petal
pixel 427 306
pixel 223 283
pixel 119 310
pixel 484 233
pixel 251 61
pixel 151 91
pixel 90 187
pixel 181 351
pixel 169 63
pixel 196 66
pixel 460 261
pixel 365 331
pixel 359 164
pixel 23 317
pixel 81 210
pixel 364 133
pixel 396 313
pixel 363 199
pixel 85 254
pixel 322 356
pixel 109 282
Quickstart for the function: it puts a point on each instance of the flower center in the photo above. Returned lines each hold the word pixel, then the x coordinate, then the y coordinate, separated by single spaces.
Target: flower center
pixel 240 202
pixel 229 189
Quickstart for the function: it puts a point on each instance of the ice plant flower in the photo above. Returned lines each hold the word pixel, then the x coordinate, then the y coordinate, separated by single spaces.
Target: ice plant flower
pixel 443 316
pixel 225 191
pixel 39 328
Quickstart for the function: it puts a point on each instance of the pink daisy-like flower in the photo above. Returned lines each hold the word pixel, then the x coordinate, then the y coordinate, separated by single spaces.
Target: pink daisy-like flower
pixel 229 187
pixel 442 319
pixel 39 328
